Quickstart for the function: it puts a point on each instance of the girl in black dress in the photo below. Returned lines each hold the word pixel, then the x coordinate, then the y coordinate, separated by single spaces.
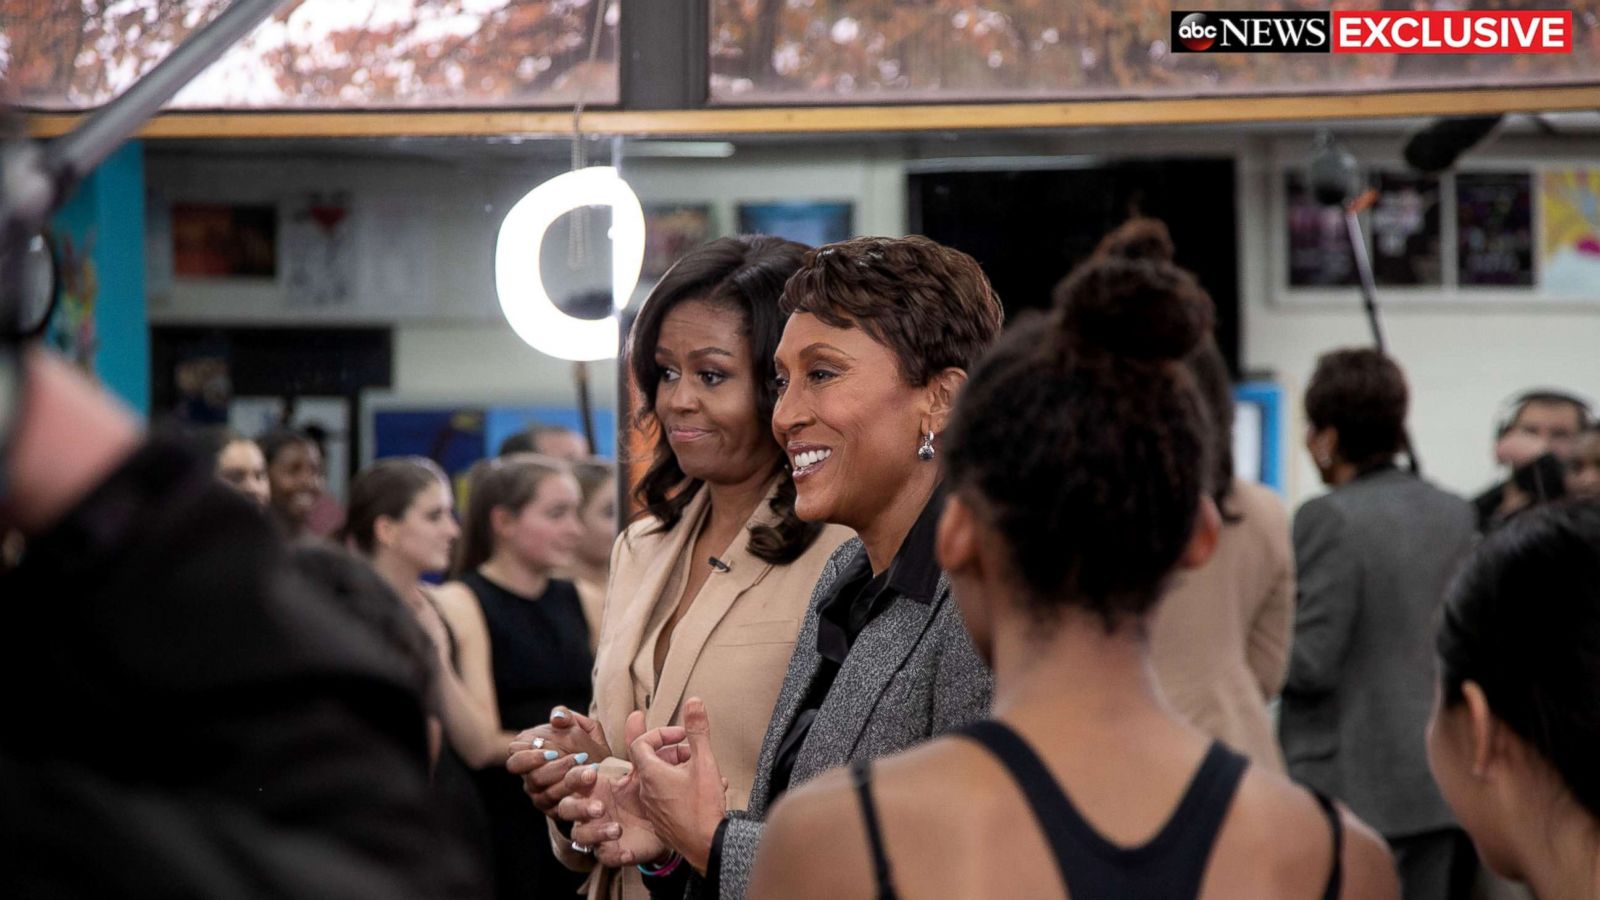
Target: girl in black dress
pixel 523 641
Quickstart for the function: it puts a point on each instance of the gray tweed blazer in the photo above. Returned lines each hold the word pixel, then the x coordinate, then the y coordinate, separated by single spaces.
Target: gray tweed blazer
pixel 912 674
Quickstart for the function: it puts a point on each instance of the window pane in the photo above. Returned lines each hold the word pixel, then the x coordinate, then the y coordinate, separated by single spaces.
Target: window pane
pixel 821 51
pixel 317 54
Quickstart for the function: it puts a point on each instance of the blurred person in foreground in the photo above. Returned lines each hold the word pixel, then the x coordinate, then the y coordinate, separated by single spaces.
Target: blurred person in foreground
pixel 1078 468
pixel 1516 729
pixel 189 713
pixel 1373 557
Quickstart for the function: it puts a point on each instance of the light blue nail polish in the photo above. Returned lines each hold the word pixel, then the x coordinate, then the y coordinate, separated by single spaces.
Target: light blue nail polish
pixel 551 754
pixel 581 758
pixel 595 766
pixel 558 714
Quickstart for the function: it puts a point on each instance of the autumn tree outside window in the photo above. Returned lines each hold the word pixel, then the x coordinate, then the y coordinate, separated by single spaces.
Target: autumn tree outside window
pixel 318 54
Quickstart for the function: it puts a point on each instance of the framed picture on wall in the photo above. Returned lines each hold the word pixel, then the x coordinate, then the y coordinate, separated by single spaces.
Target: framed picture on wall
pixel 223 240
pixel 1319 247
pixel 1494 229
pixel 809 222
pixel 1569 244
pixel 670 231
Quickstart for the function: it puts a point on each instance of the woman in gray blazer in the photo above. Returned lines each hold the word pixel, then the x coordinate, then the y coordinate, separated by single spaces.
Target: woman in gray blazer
pixel 1374 555
pixel 879 340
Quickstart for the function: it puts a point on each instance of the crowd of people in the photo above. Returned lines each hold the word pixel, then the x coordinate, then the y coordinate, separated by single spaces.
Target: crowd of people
pixel 909 604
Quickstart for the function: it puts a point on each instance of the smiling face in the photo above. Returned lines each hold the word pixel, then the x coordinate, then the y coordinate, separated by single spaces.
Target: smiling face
pixel 544 534
pixel 847 419
pixel 424 533
pixel 295 476
pixel 706 396
pixel 242 467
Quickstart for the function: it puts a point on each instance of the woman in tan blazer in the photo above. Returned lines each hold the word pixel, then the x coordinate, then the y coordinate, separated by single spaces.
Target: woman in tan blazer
pixel 1220 639
pixel 709 585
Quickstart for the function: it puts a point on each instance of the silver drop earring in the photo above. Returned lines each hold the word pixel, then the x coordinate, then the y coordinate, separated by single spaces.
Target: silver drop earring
pixel 925 449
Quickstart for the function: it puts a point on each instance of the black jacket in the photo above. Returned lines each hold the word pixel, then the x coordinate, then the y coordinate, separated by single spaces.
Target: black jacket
pixel 188 715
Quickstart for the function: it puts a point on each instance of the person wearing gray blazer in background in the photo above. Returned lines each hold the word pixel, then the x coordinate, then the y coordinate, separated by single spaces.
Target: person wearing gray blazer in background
pixel 1374 556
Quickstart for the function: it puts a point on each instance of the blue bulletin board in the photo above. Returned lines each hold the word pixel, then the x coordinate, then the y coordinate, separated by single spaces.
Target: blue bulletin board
pixel 1258 445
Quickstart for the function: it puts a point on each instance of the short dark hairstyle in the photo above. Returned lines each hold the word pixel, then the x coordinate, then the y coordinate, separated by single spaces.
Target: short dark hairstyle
pixel 1548 397
pixel 1362 394
pixel 211 440
pixel 1146 238
pixel 928 303
pixel 744 274
pixel 1085 441
pixel 527 440
pixel 1522 620
pixel 277 440
pixel 385 489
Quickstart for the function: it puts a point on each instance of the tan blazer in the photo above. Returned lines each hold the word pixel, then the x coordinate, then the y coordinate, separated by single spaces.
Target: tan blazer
pixel 731 649
pixel 1220 638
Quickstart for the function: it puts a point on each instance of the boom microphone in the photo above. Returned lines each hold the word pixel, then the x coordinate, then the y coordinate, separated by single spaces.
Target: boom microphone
pixel 1437 146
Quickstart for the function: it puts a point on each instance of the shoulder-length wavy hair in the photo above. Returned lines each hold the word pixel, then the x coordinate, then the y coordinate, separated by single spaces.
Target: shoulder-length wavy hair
pixel 745 274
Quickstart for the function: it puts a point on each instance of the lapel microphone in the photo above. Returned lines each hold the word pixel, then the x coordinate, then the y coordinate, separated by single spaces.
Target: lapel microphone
pixel 719 565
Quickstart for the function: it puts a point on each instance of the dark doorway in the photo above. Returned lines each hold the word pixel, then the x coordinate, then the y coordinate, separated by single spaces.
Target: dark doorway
pixel 1029 227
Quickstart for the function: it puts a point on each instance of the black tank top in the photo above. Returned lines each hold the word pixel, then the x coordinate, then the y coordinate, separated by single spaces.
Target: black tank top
pixel 1171 866
pixel 539 650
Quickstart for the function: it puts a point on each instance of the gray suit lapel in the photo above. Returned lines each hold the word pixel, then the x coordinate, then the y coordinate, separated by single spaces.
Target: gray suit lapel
pixel 878 653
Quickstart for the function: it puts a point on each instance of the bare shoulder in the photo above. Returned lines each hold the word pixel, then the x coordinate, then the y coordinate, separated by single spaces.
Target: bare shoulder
pixel 814 845
pixel 458 603
pixel 1368 866
pixel 1278 831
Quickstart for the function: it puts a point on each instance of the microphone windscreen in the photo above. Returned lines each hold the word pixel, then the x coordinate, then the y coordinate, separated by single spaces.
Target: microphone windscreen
pixel 1437 146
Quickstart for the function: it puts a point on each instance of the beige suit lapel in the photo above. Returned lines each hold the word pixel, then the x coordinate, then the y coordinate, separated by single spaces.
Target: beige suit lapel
pixel 614 695
pixel 716 598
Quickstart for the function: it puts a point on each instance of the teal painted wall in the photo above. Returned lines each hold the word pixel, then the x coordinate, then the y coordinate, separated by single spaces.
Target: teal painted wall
pixel 106 215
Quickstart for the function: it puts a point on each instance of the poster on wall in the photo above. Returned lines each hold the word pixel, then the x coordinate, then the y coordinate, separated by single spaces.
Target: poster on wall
pixel 220 240
pixel 319 252
pixel 810 222
pixel 1319 249
pixel 1494 229
pixel 1569 242
pixel 670 231
pixel 1403 226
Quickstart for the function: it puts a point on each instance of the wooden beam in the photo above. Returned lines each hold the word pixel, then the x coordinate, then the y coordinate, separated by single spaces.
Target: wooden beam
pixel 848 119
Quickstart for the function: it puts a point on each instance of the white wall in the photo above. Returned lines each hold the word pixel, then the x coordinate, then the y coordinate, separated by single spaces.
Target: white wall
pixel 455 345
pixel 1462 357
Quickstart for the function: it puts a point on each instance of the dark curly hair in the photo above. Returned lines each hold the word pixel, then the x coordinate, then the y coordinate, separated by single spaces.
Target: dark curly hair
pixel 1146 238
pixel 1084 441
pixel 928 303
pixel 1362 394
pixel 746 275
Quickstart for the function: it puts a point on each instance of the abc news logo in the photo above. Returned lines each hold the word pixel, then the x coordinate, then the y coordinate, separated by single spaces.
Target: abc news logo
pixel 1373 31
pixel 1247 32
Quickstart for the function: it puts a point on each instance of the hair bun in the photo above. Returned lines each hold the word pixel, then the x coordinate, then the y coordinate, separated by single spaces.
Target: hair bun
pixel 1138 238
pixel 1141 309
